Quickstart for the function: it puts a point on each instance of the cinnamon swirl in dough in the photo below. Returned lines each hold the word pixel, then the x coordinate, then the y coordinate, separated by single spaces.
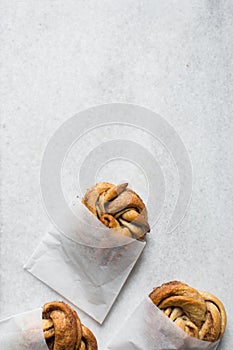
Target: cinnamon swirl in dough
pixel 118 207
pixel 199 314
pixel 63 330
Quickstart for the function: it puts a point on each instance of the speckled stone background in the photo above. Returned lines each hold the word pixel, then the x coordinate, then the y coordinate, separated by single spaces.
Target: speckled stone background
pixel 175 57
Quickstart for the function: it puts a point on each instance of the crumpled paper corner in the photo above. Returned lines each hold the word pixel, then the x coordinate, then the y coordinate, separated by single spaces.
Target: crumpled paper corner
pixel 89 275
pixel 23 332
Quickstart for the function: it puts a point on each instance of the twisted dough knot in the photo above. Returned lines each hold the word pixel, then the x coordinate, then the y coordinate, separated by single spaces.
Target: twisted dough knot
pixel 200 314
pixel 63 330
pixel 119 208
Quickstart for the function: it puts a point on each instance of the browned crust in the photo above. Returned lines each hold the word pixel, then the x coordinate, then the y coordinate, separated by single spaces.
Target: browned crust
pixel 88 339
pixel 63 329
pixel 118 207
pixel 200 314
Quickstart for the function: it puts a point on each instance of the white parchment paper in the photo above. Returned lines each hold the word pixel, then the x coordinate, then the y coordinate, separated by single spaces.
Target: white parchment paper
pixel 148 328
pixel 88 266
pixel 23 332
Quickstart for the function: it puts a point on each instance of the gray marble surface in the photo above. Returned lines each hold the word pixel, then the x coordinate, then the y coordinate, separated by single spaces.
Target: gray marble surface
pixel 175 57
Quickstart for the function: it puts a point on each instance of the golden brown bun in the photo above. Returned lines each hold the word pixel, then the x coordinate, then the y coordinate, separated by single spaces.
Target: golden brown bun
pixel 199 314
pixel 119 208
pixel 88 341
pixel 63 330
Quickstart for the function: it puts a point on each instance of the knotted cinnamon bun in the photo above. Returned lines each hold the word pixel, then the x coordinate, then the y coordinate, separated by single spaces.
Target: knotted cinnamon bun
pixel 63 330
pixel 118 207
pixel 199 314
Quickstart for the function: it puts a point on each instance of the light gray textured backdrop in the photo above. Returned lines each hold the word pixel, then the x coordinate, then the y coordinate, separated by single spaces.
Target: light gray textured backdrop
pixel 175 57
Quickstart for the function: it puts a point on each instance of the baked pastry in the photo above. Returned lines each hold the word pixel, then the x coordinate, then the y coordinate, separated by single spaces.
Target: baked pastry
pixel 199 314
pixel 118 207
pixel 63 330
